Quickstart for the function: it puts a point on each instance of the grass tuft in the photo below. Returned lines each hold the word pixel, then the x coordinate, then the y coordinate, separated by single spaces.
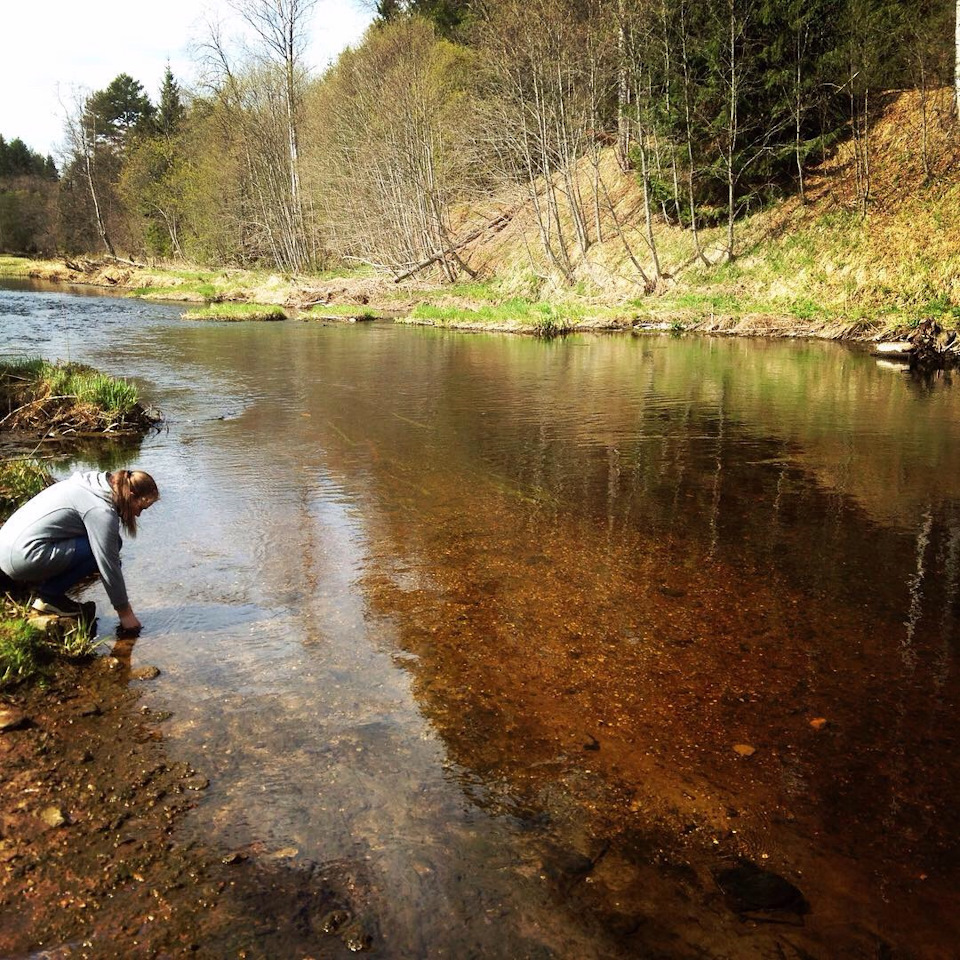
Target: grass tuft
pixel 27 652
pixel 235 311
pixel 20 479
pixel 542 319
pixel 35 392
pixel 23 654
pixel 346 311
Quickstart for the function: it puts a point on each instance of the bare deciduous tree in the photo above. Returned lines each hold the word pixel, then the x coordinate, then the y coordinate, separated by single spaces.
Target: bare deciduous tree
pixel 261 104
pixel 81 146
pixel 395 148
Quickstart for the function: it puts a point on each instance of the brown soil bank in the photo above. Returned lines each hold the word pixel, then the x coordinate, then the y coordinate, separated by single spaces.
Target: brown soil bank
pixel 90 864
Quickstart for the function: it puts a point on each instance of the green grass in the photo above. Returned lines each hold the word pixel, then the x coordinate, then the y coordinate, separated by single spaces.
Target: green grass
pixel 488 292
pixel 340 310
pixel 725 303
pixel 27 653
pixel 235 311
pixel 112 396
pixel 20 479
pixel 806 309
pixel 547 318
pixel 188 291
pixel 23 653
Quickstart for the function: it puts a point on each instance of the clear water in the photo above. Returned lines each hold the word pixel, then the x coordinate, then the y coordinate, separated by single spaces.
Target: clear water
pixel 473 624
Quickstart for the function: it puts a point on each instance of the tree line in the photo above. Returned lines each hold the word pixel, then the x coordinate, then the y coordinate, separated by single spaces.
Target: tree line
pixel 716 107
pixel 27 184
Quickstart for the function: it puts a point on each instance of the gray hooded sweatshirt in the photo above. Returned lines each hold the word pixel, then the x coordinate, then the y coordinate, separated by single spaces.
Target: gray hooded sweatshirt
pixel 36 542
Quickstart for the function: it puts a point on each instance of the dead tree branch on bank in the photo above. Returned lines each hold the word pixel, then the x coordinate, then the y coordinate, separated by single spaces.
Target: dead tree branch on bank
pixel 496 225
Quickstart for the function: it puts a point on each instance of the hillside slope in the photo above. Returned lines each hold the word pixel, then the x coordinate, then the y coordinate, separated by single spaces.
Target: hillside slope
pixel 803 265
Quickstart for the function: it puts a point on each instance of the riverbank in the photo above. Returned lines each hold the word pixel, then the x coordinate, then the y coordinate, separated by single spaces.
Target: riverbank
pixel 90 862
pixel 828 264
pixel 249 295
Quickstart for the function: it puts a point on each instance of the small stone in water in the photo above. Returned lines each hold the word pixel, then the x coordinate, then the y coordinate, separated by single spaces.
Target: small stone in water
pixel 145 673
pixel 749 888
pixel 11 720
pixel 355 938
pixel 744 749
pixel 284 853
pixel 334 920
pixel 53 816
pixel 818 723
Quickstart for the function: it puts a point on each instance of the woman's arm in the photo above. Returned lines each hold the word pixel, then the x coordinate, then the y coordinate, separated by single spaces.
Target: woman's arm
pixel 103 530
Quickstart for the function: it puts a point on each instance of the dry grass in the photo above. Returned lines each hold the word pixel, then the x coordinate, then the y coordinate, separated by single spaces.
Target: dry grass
pixel 814 263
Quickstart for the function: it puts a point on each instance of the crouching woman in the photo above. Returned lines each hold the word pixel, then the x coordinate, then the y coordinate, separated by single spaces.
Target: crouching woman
pixel 70 531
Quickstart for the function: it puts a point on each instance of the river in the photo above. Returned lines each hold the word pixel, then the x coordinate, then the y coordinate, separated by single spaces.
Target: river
pixel 525 643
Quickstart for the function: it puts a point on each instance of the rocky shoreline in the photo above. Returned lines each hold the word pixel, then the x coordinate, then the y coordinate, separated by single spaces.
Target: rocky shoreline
pixel 91 862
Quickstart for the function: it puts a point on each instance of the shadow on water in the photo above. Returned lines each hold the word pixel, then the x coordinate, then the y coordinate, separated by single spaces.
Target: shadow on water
pixel 537 650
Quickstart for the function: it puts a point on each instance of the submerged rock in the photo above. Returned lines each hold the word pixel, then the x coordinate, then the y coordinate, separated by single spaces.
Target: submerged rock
pixel 334 920
pixel 53 816
pixel 355 937
pixel 145 673
pixel 748 888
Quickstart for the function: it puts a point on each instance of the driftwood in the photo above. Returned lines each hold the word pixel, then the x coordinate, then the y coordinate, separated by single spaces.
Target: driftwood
pixel 929 347
pixel 85 265
pixel 496 224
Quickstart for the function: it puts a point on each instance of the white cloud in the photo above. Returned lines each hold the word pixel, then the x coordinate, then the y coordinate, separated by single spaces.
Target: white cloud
pixel 52 47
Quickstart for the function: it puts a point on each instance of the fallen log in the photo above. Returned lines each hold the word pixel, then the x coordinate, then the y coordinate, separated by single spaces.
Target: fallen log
pixel 496 224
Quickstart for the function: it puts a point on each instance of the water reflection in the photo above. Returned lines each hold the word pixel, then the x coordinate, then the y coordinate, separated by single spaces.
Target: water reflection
pixel 473 625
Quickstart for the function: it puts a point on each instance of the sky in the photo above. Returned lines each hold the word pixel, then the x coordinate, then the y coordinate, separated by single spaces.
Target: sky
pixel 52 48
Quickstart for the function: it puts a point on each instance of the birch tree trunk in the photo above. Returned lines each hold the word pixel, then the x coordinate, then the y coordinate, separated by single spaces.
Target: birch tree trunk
pixel 956 68
pixel 82 142
pixel 281 24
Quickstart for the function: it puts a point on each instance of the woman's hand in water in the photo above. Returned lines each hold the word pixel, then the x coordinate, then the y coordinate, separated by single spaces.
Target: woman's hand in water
pixel 128 620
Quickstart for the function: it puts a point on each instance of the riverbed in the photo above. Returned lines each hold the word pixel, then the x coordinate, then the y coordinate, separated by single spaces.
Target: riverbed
pixel 524 646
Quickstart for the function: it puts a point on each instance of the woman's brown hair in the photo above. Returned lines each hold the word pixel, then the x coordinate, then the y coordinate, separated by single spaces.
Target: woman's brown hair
pixel 132 488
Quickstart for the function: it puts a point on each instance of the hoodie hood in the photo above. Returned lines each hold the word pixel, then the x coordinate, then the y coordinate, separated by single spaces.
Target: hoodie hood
pixel 96 482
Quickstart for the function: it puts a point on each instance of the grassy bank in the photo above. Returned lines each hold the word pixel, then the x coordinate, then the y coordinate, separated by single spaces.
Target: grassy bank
pixel 235 311
pixel 66 398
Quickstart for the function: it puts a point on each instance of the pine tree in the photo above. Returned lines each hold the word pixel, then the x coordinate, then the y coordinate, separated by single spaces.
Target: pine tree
pixel 171 113
pixel 118 111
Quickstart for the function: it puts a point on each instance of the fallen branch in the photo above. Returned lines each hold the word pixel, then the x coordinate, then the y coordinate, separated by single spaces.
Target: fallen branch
pixel 33 403
pixel 497 224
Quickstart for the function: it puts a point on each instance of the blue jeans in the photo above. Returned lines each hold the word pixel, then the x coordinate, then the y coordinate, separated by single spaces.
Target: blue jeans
pixel 82 565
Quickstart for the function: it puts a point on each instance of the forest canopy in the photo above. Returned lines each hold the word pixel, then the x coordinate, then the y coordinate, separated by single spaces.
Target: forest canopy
pixel 715 107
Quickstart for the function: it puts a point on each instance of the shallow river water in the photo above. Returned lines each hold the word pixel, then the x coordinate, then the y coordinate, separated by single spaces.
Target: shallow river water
pixel 523 644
